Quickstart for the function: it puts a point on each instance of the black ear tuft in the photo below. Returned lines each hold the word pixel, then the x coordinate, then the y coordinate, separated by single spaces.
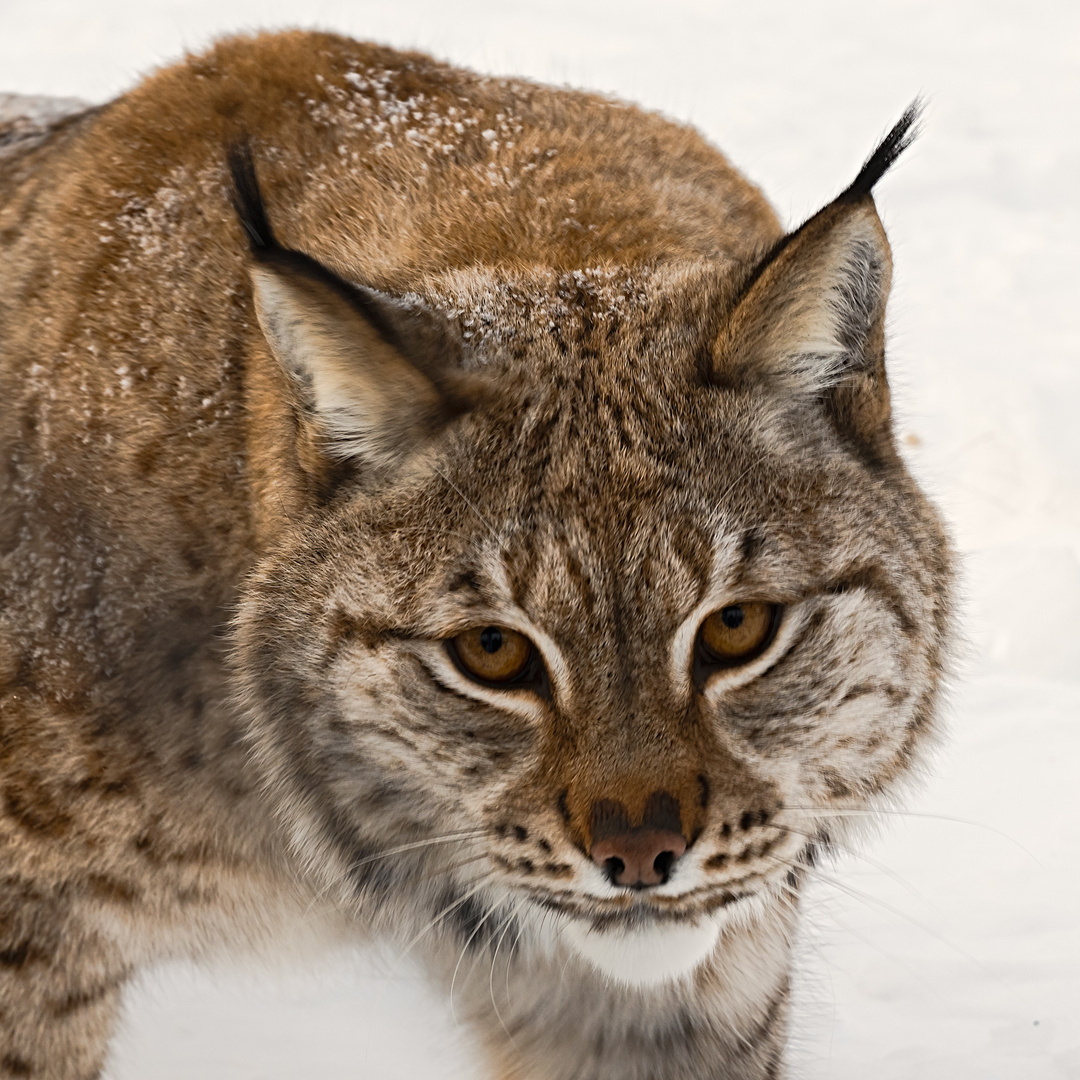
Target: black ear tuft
pixel 247 198
pixel 248 202
pixel 903 134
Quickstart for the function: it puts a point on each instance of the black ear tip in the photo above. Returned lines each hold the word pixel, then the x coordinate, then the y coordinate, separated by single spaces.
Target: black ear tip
pixel 247 197
pixel 903 134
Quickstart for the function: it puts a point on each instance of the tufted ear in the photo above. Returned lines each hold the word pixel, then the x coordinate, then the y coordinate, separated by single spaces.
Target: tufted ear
pixel 373 376
pixel 809 322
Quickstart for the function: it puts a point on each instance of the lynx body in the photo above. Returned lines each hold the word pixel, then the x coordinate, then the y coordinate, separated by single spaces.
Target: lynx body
pixel 456 504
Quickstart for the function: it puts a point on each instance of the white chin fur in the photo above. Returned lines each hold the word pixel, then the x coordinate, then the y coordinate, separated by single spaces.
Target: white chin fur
pixel 647 956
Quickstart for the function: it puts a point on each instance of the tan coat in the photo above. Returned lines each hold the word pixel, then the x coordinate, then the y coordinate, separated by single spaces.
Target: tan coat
pixel 554 369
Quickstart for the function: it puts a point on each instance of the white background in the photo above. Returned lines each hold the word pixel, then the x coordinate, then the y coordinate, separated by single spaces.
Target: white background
pixel 952 950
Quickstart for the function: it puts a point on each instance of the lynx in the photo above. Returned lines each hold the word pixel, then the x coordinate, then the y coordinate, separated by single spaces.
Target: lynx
pixel 457 506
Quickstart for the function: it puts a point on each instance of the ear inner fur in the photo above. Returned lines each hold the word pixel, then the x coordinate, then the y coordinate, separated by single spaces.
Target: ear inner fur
pixel 810 315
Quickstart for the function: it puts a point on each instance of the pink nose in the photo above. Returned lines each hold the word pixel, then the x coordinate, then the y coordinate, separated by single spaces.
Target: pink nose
pixel 638 857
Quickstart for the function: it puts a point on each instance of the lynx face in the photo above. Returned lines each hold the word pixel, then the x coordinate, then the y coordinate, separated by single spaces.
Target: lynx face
pixel 623 634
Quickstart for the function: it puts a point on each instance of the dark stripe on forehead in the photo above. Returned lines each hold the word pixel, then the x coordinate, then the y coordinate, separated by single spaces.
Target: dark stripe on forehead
pixel 464 581
pixel 579 577
pixel 557 556
pixel 694 548
pixel 521 567
pixel 752 542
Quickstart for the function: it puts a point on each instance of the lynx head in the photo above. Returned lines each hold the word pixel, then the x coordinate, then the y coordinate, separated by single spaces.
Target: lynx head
pixel 615 600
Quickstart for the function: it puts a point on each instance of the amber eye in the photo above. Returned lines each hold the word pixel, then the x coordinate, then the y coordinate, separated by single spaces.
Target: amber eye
pixel 492 654
pixel 739 632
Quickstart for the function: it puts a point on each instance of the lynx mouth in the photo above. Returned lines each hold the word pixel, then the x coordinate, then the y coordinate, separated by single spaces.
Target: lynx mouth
pixel 644 955
pixel 646 947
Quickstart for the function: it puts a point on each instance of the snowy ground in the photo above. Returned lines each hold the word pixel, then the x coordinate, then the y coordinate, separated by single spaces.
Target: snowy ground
pixel 952 951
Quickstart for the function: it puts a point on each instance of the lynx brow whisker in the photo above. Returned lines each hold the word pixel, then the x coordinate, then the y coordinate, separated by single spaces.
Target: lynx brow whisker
pixel 421 530
pixel 738 480
pixel 468 503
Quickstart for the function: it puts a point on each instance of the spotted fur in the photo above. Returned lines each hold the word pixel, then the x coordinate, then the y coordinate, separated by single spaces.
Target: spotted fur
pixel 493 353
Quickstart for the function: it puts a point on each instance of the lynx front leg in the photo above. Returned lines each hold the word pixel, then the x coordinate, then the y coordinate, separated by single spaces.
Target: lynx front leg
pixel 60 989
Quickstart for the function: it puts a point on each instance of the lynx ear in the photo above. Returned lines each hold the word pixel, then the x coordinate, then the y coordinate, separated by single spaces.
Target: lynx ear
pixel 811 313
pixel 355 354
pixel 809 321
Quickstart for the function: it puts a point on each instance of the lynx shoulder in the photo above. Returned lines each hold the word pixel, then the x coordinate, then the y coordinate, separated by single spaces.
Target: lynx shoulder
pixel 458 496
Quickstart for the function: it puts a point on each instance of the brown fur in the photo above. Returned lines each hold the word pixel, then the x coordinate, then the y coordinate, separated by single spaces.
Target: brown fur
pixel 222 688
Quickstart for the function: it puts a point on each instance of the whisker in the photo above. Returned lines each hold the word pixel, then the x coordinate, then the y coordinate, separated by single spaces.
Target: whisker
pixel 449 867
pixel 416 845
pixel 480 886
pixel 855 812
pixel 491 979
pixel 868 899
pixel 484 520
pixel 464 950
pixel 432 841
pixel 739 479
pixel 849 931
pixel 566 964
pixel 514 948
pixel 881 867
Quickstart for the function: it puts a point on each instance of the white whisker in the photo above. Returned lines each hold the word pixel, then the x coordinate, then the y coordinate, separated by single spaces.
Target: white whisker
pixel 856 812
pixel 464 950
pixel 491 978
pixel 484 881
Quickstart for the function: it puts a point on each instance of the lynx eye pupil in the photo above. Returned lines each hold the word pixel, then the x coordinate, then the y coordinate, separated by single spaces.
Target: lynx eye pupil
pixel 732 617
pixel 491 639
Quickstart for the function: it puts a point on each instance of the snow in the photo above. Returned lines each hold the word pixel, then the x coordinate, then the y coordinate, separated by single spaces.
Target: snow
pixel 951 949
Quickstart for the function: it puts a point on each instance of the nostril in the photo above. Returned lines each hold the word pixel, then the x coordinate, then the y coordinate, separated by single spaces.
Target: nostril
pixel 615 868
pixel 662 864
